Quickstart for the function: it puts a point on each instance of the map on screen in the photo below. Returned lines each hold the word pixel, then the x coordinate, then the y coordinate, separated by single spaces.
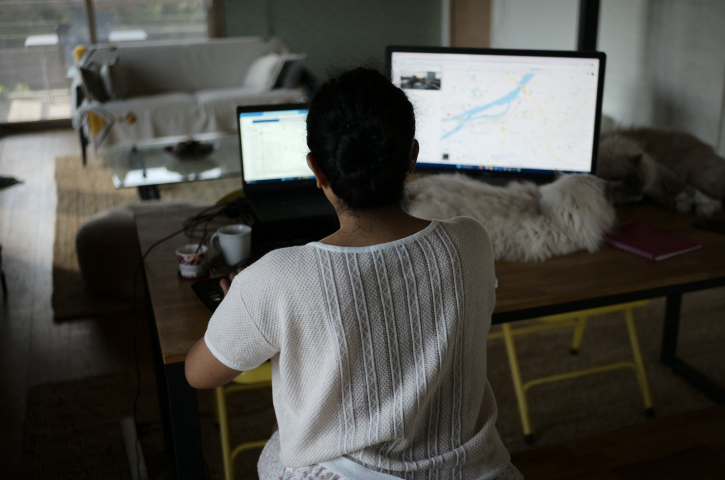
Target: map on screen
pixel 497 112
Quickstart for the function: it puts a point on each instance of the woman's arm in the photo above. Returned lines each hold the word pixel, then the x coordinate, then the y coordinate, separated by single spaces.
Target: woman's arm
pixel 202 368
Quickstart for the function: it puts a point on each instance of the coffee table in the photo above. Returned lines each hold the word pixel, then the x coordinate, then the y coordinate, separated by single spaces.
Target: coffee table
pixel 147 163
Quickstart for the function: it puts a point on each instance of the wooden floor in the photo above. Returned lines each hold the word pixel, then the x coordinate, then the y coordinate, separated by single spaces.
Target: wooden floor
pixel 690 446
pixel 33 348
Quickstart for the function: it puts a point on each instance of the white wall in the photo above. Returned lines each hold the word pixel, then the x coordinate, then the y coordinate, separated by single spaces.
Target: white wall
pixel 535 24
pixel 622 36
pixel 666 63
pixel 665 58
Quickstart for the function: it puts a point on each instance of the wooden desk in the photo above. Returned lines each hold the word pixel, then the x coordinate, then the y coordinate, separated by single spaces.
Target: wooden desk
pixel 611 276
pixel 564 284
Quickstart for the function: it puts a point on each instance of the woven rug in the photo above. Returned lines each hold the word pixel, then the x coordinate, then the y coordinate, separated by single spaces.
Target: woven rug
pixel 83 192
pixel 73 428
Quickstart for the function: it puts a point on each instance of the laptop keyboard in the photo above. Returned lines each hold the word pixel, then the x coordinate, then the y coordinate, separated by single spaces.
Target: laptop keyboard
pixel 302 198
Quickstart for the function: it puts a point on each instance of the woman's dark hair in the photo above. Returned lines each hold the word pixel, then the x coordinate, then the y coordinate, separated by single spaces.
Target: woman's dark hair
pixel 360 130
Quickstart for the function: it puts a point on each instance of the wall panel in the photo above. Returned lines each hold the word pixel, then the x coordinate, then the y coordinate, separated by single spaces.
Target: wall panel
pixel 338 32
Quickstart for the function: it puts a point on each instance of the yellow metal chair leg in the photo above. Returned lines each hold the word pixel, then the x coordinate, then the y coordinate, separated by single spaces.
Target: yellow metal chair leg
pixel 576 342
pixel 637 354
pixel 260 377
pixel 221 413
pixel 246 446
pixel 518 386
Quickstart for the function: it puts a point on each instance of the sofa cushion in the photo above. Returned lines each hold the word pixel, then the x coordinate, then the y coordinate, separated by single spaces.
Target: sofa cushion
pixel 263 73
pixel 219 106
pixel 154 116
pixel 93 82
pixel 188 66
pixel 174 114
pixel 291 73
pixel 115 80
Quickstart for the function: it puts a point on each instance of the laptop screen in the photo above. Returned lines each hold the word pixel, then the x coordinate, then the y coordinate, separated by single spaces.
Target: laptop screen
pixel 274 145
pixel 521 112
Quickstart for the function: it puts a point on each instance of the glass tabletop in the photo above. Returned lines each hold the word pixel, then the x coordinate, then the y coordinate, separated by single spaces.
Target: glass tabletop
pixel 150 162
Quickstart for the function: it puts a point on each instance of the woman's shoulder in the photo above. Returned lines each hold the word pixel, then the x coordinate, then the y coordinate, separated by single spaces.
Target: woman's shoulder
pixel 469 237
pixel 464 227
pixel 465 221
pixel 282 263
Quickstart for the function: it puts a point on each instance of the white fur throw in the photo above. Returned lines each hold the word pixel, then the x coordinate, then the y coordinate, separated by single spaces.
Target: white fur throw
pixel 527 223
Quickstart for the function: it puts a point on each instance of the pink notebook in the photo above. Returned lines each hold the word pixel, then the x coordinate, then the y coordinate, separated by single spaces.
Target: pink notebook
pixel 649 242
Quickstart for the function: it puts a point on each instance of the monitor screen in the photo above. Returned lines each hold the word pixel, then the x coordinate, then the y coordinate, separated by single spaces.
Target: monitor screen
pixel 274 146
pixel 503 111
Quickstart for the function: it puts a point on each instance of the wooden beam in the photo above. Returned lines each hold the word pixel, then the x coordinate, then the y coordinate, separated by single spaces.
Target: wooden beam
pixel 215 18
pixel 91 18
pixel 470 23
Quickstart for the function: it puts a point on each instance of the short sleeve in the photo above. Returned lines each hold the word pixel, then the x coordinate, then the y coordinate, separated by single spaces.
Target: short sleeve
pixel 233 337
pixel 477 250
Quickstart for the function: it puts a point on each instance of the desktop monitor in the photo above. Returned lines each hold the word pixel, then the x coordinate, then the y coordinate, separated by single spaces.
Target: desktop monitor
pixel 503 112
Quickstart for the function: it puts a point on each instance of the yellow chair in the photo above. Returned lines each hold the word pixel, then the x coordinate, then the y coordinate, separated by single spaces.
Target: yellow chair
pixel 260 377
pixel 578 321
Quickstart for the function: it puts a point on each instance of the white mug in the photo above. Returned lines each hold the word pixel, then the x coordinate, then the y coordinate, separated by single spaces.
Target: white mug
pixel 235 242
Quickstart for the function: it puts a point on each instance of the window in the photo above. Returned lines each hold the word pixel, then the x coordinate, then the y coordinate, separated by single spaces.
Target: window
pixel 37 38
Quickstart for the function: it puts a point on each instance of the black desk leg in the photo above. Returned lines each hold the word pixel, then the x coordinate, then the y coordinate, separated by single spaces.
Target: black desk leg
pixel 669 357
pixel 671 328
pixel 182 424
pixel 179 415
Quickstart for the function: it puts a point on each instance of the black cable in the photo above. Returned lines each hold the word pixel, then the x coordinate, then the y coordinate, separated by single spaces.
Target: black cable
pixel 188 226
pixel 206 231
pixel 135 347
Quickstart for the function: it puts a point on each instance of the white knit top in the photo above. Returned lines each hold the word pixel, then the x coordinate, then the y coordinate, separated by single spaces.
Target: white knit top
pixel 378 353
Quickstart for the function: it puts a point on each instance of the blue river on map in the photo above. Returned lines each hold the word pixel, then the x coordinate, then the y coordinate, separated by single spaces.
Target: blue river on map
pixel 479 112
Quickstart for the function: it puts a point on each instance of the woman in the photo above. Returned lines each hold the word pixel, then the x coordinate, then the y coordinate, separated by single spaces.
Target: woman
pixel 377 333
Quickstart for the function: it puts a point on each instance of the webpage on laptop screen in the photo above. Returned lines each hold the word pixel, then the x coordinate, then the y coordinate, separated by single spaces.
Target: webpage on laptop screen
pixel 274 146
pixel 494 112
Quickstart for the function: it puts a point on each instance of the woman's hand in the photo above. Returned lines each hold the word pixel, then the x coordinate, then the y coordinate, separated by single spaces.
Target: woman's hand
pixel 225 284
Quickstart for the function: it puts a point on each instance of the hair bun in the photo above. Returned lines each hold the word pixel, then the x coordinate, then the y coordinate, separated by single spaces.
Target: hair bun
pixel 360 155
pixel 360 129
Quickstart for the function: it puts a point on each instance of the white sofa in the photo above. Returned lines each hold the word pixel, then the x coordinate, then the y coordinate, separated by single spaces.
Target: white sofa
pixel 182 88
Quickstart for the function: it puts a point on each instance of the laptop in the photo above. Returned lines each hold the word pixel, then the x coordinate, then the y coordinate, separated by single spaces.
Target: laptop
pixel 277 181
pixel 502 114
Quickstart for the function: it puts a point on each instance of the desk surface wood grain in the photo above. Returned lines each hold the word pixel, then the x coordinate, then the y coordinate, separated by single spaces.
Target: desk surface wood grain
pixel 181 318
pixel 610 271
